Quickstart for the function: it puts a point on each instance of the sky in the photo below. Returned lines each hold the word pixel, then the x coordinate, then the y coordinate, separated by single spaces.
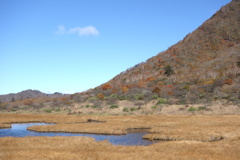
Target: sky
pixel 70 46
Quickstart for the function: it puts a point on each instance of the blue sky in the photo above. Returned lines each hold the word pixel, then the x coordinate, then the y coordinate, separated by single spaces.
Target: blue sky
pixel 73 45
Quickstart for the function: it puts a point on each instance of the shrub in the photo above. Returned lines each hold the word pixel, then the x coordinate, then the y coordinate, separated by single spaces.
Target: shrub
pixel 125 109
pixel 182 102
pixel 124 89
pixel 113 95
pixel 201 108
pixel 100 96
pixel 192 109
pixel 168 70
pixel 154 97
pixel 48 110
pixel 92 98
pixel 238 63
pixel 57 110
pixel 122 98
pixel 139 96
pixel 156 90
pixel 228 81
pixel 150 79
pixel 186 88
pixel 106 87
pixel 113 106
pixel 162 101
pixel 13 110
pixel 133 109
pixel 95 106
pixel 154 107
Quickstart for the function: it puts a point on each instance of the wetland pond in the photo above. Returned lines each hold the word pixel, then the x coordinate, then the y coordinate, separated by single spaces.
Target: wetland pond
pixel 132 138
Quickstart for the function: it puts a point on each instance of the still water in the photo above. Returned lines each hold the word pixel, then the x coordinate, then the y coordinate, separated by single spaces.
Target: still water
pixel 130 139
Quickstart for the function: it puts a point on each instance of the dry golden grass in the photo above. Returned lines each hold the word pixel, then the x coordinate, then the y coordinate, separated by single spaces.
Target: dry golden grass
pixel 85 148
pixel 188 137
pixel 47 118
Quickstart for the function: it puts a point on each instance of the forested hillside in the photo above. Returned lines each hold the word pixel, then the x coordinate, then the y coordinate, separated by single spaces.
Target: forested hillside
pixel 204 66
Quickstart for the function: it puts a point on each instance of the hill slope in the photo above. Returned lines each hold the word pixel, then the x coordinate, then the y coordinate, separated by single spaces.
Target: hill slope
pixel 26 95
pixel 205 65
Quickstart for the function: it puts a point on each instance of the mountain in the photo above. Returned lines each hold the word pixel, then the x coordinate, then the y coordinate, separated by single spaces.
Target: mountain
pixel 204 66
pixel 28 94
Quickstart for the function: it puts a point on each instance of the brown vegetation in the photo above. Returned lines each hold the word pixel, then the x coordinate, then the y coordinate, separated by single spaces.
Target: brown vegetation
pixel 69 148
pixel 186 137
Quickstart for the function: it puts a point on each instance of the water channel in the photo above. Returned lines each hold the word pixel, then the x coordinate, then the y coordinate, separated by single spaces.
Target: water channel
pixel 133 138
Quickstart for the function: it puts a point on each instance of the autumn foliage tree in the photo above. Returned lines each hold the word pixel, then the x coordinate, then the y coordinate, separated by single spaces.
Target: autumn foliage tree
pixel 150 79
pixel 156 90
pixel 100 96
pixel 125 89
pixel 228 81
pixel 106 87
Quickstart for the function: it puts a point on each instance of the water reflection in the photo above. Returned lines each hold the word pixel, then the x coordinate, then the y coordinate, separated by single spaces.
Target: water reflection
pixel 131 139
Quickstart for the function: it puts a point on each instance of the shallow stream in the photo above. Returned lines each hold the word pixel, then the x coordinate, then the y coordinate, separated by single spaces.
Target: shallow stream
pixel 133 138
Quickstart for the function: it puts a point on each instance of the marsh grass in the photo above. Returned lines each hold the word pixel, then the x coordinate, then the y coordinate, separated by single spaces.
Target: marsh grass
pixel 183 137
pixel 85 148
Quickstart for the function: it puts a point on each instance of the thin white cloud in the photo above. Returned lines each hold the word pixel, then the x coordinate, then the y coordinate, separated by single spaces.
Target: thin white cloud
pixel 81 31
pixel 85 31
pixel 61 30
